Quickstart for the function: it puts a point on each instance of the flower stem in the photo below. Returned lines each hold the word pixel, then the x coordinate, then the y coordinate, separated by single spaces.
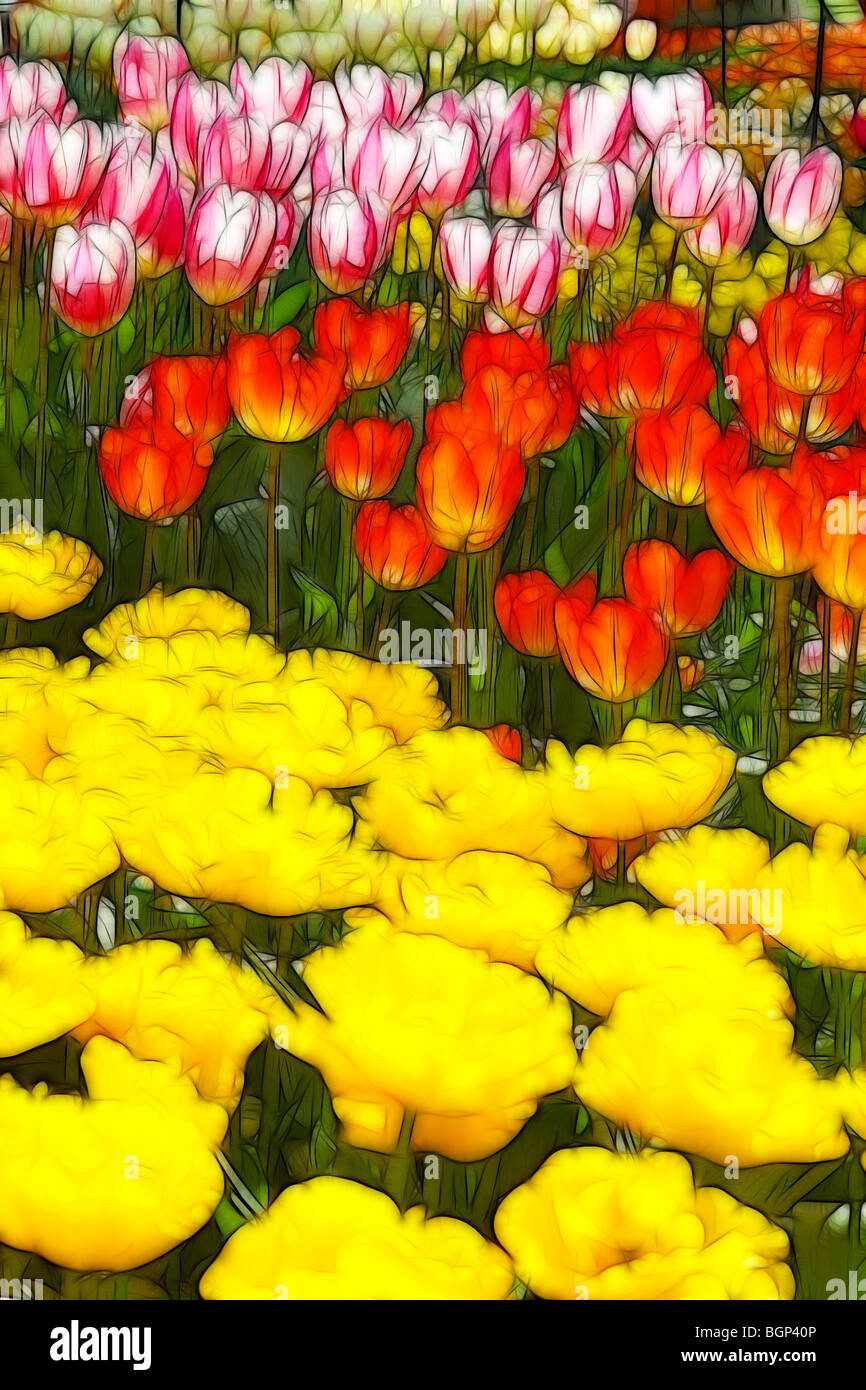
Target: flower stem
pixel 272 548
pixel 850 674
pixel 461 604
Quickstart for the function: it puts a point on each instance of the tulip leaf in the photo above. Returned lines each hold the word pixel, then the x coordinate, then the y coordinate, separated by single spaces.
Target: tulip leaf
pixel 288 305
pixel 320 607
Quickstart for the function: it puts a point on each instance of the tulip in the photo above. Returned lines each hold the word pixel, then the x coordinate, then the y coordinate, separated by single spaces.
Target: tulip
pixel 363 459
pixel 595 121
pixel 229 239
pixel 152 471
pixel 765 517
pixel 450 165
pixel 245 153
pixel 506 740
pixel 611 648
pixel 274 92
pixel 367 92
pixel 641 36
pixel 686 594
pixel 290 222
pixel 524 605
pixel 669 448
pixel 146 74
pixel 141 189
pixel 597 203
pixel 516 174
pixel 92 276
pixel 468 486
pixel 495 115
pixel 30 89
pixel 385 162
pixel 688 180
pixel 48 172
pixel 677 103
pixel 279 393
pixel 196 106
pixel 394 547
pixel 802 194
pixel 727 230
pixel 347 235
pixel 654 360
pixel 189 393
pixel 465 245
pixel 524 274
pixel 638 157
pixel 811 343
pixel 368 344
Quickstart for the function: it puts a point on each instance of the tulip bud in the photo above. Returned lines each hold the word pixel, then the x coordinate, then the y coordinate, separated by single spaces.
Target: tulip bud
pixel 141 188
pixel 384 162
pixel 363 459
pixel 274 92
pixel 678 103
pixel 346 234
pixel 524 606
pixel 597 204
pixel 516 175
pixel 92 276
pixel 196 106
pixel 394 546
pixel 688 181
pixel 595 120
pixel 465 244
pixel 802 194
pixel 228 242
pixel 641 36
pixel 449 154
pixel 727 230
pixel 146 74
pixel 524 273
pixel 152 471
pixel 29 89
pixel 49 173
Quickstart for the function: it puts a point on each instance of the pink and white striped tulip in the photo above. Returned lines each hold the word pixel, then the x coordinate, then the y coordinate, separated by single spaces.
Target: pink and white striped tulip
pixel 196 106
pixel 802 194
pixel 678 103
pixel 146 74
pixel 465 244
pixel 92 276
pixel 28 89
pixel 449 154
pixel 347 235
pixel 517 173
pixel 142 189
pixel 290 222
pixel 524 273
pixel 595 120
pixel 50 173
pixel 688 180
pixel 495 115
pixel 597 204
pixel 228 243
pixel 728 229
pixel 385 162
pixel 275 91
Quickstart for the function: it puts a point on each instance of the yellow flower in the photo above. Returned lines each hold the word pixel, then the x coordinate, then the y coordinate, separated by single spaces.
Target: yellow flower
pixel 44 574
pixel 53 844
pixel 600 1225
pixel 329 1239
pixel 450 791
pixel 822 781
pixel 696 1050
pixel 708 874
pixel 415 1025
pixel 163 615
pixel 39 699
pixel 404 698
pixel 192 1007
pixel 233 837
pixel 413 245
pixel 497 903
pixel 43 990
pixel 115 1180
pixel 814 900
pixel 657 777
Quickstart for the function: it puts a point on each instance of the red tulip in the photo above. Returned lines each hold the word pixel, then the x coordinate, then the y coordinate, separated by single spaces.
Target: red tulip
pixel 654 360
pixel 612 648
pixel 507 741
pixel 468 485
pixel 363 459
pixel 811 342
pixel 371 342
pixel 669 451
pixel 394 546
pixel 687 594
pixel 524 604
pixel 279 392
pixel 152 471
pixel 187 392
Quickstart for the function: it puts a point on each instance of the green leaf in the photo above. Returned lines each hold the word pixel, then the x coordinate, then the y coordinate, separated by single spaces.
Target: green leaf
pixel 288 305
pixel 320 607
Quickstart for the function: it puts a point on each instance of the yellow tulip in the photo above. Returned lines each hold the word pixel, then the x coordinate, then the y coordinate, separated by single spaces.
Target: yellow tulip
pixel 43 989
pixel 712 874
pixel 822 781
pixel 41 575
pixel 163 615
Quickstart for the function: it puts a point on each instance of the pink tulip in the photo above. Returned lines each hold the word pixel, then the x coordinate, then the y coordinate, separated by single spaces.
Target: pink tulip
pixel 597 203
pixel 495 115
pixel 196 106
pixel 516 175
pixel 727 230
pixel 858 124
pixel 141 188
pixel 679 103
pixel 325 119
pixel 30 88
pixel 595 121
pixel 247 154
pixel 146 74
pixel 49 173
pixel 275 91
pixel 449 154
pixel 365 93
pixel 346 234
pixel 688 180
pixel 386 162
pixel 447 106
pixel 405 93
pixel 637 155
pixel 92 276
pixel 290 222
pixel 228 242
pixel 802 194
pixel 524 273
pixel 465 244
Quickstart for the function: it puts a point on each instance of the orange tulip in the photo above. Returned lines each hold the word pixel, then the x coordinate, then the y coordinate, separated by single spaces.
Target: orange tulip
pixel 691 672
pixel 811 342
pixel 152 471
pixel 669 451
pixel 510 351
pixel 612 648
pixel 394 546
pixel 687 594
pixel 370 344
pixel 507 741
pixel 524 606
pixel 468 485
pixel 654 360
pixel 277 391
pixel 363 459
pixel 535 411
pixel 187 392
pixel 775 417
